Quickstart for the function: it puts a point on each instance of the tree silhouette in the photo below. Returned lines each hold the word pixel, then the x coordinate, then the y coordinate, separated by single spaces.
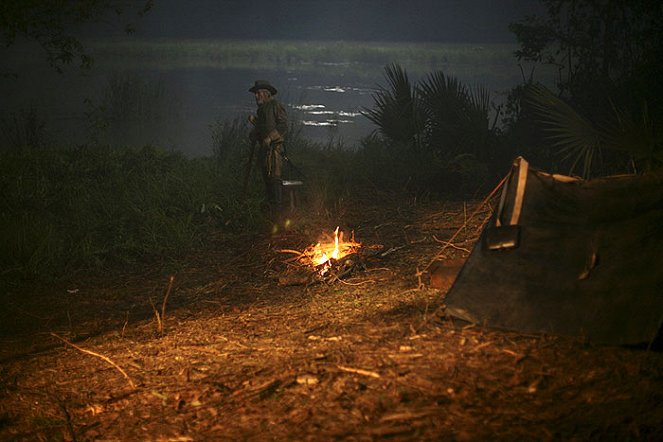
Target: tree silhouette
pixel 52 24
pixel 608 115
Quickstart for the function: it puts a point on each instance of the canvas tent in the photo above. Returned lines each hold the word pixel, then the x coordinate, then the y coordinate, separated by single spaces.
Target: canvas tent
pixel 567 256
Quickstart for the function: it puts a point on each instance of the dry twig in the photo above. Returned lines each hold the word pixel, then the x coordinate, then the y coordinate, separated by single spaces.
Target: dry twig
pixel 468 219
pixel 105 358
pixel 367 281
pixel 449 244
pixel 359 371
pixel 161 317
pixel 165 299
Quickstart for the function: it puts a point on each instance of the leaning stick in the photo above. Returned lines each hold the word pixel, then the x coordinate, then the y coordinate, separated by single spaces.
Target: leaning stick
pixel 450 243
pixel 165 298
pixel 161 318
pixel 156 315
pixel 467 220
pixel 105 358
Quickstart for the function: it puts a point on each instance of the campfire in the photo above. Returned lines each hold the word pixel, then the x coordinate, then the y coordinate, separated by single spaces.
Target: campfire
pixel 333 257
pixel 324 255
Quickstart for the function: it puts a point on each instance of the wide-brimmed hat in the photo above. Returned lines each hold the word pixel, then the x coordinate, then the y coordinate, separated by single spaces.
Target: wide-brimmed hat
pixel 262 84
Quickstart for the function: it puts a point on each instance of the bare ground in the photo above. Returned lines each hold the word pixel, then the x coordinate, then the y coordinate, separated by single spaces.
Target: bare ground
pixel 370 357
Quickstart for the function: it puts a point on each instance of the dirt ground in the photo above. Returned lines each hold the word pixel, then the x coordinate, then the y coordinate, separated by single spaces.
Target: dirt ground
pixel 368 357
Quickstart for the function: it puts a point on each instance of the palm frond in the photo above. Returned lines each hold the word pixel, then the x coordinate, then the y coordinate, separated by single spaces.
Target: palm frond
pixel 576 137
pixel 395 110
pixel 480 100
pixel 635 134
pixel 456 117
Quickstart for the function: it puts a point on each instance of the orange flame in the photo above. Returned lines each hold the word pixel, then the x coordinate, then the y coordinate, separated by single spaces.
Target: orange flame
pixel 324 253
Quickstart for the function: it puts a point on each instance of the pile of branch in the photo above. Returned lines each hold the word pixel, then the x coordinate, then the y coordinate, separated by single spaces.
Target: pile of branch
pixel 300 271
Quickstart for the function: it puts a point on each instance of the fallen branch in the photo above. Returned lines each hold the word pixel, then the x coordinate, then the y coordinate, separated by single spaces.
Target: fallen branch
pixel 295 252
pixel 105 358
pixel 367 281
pixel 359 371
pixel 405 416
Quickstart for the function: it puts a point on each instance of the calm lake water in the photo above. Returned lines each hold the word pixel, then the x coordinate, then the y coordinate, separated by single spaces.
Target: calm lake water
pixel 327 102
pixel 326 107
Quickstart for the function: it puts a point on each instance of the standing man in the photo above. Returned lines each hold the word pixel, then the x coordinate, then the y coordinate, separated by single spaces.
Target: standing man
pixel 270 125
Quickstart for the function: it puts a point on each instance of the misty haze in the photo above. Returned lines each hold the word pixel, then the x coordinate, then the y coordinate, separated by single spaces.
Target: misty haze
pixel 200 61
pixel 338 220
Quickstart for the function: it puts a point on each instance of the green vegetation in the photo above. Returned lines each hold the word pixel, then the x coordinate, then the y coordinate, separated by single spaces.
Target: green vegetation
pixel 441 128
pixel 134 111
pixel 88 207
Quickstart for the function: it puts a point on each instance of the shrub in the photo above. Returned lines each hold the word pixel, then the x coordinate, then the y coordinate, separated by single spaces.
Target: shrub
pixel 134 111
pixel 87 207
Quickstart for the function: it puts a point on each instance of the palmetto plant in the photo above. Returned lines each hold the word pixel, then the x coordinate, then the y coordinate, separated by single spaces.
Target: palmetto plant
pixel 440 113
pixel 456 117
pixel 396 112
pixel 635 137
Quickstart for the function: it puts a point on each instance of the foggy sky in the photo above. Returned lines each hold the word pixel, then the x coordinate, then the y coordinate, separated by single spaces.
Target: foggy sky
pixel 363 20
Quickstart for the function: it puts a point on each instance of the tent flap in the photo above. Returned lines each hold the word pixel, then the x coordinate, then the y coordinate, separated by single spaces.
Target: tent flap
pixel 588 260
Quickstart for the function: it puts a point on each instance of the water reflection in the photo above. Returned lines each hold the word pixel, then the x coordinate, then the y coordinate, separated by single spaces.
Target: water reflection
pixel 327 106
pixel 325 118
pixel 327 103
